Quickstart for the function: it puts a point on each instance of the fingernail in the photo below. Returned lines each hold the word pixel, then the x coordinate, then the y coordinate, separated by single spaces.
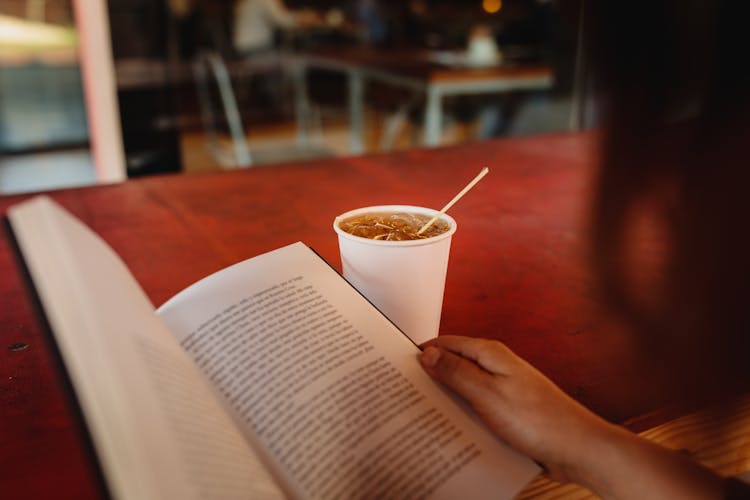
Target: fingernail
pixel 430 356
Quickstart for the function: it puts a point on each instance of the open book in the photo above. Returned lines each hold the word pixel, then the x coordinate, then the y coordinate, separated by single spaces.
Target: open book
pixel 271 378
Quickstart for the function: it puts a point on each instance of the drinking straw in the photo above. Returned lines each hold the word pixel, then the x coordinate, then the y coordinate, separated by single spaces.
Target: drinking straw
pixel 454 200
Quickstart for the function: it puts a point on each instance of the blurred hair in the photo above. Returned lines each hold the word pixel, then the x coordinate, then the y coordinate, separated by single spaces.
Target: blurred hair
pixel 675 146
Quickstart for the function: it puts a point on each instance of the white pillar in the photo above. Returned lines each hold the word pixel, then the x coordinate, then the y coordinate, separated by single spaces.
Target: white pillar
pixel 100 90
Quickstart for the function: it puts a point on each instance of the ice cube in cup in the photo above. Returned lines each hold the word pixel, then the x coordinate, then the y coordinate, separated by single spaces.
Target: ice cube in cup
pixel 392 226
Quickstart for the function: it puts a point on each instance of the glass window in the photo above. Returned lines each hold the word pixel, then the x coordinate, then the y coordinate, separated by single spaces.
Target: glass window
pixel 43 130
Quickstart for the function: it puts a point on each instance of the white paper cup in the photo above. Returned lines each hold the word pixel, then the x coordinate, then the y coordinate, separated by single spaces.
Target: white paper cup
pixel 404 279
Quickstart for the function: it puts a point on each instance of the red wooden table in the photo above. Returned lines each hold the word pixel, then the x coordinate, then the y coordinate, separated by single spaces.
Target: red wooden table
pixel 517 273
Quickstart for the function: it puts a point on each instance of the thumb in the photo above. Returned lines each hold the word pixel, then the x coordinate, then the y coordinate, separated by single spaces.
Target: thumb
pixel 459 374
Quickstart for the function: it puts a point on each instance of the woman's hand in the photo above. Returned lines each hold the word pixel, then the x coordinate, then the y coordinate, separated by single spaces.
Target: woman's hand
pixel 530 413
pixel 517 402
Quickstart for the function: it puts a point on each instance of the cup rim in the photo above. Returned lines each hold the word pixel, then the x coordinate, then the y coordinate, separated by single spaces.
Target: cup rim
pixel 392 208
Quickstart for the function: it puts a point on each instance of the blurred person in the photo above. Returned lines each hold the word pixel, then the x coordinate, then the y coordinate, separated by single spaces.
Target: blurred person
pixel 676 124
pixel 256 24
pixel 257 21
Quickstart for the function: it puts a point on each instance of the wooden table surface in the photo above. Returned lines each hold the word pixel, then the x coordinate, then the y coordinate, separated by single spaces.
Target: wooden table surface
pixel 423 64
pixel 517 273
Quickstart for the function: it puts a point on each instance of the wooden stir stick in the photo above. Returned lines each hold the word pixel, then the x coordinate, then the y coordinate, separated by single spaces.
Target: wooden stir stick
pixel 454 200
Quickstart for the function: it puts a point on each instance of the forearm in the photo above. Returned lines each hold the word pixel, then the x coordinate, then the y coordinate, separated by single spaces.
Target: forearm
pixel 530 413
pixel 622 465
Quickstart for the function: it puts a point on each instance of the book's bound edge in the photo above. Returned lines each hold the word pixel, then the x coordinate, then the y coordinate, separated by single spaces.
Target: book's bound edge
pixel 58 364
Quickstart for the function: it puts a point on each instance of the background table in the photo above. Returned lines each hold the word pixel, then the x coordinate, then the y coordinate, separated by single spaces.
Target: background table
pixel 417 70
pixel 517 273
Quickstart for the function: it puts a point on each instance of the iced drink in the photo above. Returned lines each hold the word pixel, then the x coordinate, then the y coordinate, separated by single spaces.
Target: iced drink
pixel 392 226
pixel 400 272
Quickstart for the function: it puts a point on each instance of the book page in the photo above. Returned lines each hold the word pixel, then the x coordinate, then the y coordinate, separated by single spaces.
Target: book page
pixel 331 389
pixel 158 429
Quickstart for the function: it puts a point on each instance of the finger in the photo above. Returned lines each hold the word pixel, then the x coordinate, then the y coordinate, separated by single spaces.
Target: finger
pixel 491 355
pixel 459 374
pixel 424 345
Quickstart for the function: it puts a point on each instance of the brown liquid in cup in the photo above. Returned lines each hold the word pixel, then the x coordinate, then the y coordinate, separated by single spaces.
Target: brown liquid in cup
pixel 392 226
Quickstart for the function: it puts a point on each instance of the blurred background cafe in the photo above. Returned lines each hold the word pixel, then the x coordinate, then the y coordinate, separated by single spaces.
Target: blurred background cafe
pixel 98 91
